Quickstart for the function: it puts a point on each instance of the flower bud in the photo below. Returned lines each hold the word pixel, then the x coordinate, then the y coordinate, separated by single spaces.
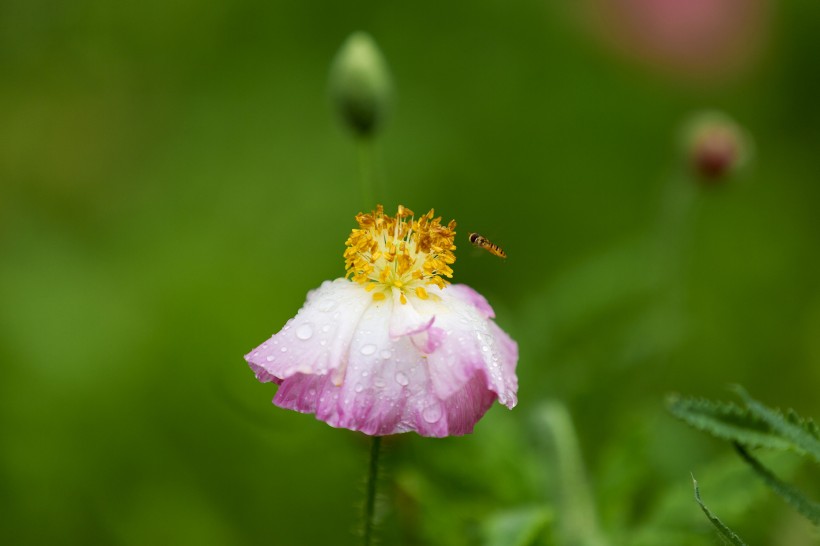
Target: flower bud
pixel 360 85
pixel 715 146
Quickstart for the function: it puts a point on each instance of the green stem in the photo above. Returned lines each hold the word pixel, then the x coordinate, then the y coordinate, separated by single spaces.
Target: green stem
pixel 366 174
pixel 370 500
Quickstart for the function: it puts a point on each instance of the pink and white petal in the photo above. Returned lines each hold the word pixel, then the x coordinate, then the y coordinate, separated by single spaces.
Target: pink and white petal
pixel 378 392
pixel 317 339
pixel 471 346
pixel 301 392
pixel 380 377
pixel 405 319
pixel 384 367
pixel 467 406
pixel 397 398
pixel 467 294
pixel 509 361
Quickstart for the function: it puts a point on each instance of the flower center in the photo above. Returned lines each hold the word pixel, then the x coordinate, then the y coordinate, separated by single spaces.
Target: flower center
pixel 400 253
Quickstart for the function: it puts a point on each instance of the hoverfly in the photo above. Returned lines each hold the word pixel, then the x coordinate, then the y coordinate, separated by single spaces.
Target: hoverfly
pixel 482 242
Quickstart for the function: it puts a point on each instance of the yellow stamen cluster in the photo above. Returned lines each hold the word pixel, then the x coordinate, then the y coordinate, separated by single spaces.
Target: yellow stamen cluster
pixel 400 252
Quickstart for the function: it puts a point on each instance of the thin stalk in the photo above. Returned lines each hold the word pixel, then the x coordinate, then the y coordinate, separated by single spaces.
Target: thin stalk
pixel 370 499
pixel 366 172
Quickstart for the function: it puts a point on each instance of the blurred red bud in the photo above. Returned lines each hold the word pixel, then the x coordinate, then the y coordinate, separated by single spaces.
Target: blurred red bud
pixel 715 146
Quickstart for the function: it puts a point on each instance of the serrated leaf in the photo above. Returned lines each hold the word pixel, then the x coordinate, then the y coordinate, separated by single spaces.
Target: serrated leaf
pixel 803 433
pixel 791 495
pixel 731 494
pixel 721 527
pixel 728 421
pixel 519 527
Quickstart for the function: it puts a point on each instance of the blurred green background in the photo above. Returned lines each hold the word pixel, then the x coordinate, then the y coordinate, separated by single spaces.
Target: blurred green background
pixel 173 182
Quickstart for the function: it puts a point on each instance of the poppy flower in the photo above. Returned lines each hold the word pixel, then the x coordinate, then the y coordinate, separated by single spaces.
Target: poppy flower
pixel 393 347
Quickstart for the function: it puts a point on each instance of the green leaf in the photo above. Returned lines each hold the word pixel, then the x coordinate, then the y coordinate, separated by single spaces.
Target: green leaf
pixel 518 527
pixel 577 517
pixel 803 433
pixel 791 495
pixel 722 528
pixel 728 421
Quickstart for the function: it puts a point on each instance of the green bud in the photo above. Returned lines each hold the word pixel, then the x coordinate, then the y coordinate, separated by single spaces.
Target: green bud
pixel 360 85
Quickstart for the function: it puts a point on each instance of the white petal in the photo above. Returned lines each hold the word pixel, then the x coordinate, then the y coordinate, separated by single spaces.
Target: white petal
pixel 317 340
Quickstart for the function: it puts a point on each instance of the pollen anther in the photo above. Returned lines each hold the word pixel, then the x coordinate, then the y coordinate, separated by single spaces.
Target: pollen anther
pixel 400 252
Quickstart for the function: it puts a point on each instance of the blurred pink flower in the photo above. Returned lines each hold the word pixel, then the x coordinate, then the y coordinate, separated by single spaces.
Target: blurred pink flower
pixel 396 348
pixel 706 38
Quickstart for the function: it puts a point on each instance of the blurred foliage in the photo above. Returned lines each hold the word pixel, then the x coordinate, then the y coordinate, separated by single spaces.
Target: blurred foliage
pixel 173 182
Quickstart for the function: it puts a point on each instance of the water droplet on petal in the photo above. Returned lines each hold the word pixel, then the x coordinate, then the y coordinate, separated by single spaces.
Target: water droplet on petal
pixel 368 349
pixel 358 387
pixel 269 358
pixel 284 349
pixel 401 379
pixel 432 414
pixel 326 328
pixel 385 354
pixel 327 305
pixel 304 331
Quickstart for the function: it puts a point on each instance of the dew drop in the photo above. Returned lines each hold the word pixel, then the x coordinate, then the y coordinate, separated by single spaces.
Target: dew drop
pixel 312 392
pixel 284 349
pixel 432 414
pixel 304 332
pixel 368 349
pixel 326 328
pixel 323 342
pixel 327 305
pixel 385 354
pixel 401 379
pixel 358 387
pixel 269 358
